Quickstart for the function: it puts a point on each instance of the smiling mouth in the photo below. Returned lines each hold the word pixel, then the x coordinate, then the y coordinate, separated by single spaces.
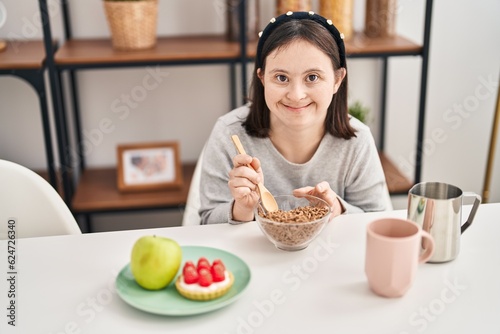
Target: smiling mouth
pixel 296 108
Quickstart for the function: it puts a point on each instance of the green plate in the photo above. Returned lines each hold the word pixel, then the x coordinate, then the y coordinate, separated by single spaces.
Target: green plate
pixel 168 301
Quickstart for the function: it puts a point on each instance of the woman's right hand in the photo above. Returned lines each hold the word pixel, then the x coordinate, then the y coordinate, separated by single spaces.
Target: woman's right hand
pixel 242 184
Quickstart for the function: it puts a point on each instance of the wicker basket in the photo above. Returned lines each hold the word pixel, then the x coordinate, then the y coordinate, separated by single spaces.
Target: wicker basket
pixel 380 18
pixel 341 14
pixel 283 6
pixel 132 23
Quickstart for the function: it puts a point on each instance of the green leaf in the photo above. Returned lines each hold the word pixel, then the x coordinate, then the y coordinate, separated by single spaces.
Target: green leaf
pixel 359 111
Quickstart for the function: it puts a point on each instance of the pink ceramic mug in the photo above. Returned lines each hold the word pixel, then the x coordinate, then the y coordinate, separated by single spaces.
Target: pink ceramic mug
pixel 393 252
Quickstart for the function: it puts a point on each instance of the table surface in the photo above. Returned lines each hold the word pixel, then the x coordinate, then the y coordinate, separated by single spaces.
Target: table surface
pixel 65 284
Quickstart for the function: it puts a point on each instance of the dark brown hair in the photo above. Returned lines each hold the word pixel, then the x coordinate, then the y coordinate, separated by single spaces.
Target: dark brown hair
pixel 337 124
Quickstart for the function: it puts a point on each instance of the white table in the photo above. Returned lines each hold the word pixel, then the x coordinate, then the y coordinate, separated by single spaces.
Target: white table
pixel 66 284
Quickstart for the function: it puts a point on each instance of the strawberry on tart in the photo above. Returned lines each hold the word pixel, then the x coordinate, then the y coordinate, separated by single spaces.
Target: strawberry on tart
pixel 204 281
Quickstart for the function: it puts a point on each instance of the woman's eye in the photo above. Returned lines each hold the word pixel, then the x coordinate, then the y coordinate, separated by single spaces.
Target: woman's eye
pixel 312 77
pixel 281 78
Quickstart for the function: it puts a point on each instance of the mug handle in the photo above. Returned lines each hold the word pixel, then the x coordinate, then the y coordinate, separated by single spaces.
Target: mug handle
pixel 429 247
pixel 475 206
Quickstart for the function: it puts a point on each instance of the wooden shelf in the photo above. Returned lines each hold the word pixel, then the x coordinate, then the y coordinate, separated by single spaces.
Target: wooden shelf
pixel 396 181
pixel 360 45
pixel 98 192
pixel 21 55
pixel 88 52
pixel 168 49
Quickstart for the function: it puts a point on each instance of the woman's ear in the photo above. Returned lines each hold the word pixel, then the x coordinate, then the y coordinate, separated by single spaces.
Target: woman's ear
pixel 339 76
pixel 260 75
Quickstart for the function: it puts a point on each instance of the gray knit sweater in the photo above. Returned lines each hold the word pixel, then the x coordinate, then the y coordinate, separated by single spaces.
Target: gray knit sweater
pixel 351 167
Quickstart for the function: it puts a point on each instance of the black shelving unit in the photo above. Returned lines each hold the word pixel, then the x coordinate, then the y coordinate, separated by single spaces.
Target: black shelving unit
pixel 59 63
pixel 26 60
pixel 76 55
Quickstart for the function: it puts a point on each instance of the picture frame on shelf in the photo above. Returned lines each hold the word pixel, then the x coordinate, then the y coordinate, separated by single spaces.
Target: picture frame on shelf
pixel 149 166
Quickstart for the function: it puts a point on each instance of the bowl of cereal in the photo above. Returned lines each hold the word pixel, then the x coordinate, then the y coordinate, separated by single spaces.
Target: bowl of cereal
pixel 298 221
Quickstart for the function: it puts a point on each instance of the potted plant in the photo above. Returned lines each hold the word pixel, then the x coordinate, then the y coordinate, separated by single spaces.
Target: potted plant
pixel 132 23
pixel 358 110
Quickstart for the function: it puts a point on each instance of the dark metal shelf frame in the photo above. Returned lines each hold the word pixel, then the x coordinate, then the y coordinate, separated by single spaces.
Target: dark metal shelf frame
pixel 55 71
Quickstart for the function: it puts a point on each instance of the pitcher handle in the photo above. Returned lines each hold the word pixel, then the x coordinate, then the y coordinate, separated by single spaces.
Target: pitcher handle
pixel 428 251
pixel 475 206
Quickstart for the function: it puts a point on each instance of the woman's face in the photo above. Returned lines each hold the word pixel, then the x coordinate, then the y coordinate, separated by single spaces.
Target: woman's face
pixel 299 83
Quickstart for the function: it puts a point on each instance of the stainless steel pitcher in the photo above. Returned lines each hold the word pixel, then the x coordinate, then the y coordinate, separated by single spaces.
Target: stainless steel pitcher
pixel 437 207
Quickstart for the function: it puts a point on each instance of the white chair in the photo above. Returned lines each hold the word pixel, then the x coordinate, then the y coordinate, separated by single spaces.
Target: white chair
pixel 191 215
pixel 34 205
pixel 387 199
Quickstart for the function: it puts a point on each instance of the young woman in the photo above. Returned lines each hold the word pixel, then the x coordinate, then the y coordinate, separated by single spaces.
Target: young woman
pixel 296 130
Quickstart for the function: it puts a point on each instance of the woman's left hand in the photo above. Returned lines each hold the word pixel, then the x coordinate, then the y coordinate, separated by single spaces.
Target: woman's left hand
pixel 323 191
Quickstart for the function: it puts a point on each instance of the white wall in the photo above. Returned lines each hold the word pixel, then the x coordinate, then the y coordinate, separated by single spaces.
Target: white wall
pixel 464 54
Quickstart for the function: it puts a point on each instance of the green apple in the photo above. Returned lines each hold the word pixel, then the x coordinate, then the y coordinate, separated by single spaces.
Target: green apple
pixel 155 261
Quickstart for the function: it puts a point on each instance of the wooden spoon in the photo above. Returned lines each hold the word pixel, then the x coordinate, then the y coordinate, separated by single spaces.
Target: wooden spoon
pixel 266 197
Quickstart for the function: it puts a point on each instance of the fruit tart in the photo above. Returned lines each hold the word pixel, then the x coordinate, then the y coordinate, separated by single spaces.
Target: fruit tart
pixel 204 281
